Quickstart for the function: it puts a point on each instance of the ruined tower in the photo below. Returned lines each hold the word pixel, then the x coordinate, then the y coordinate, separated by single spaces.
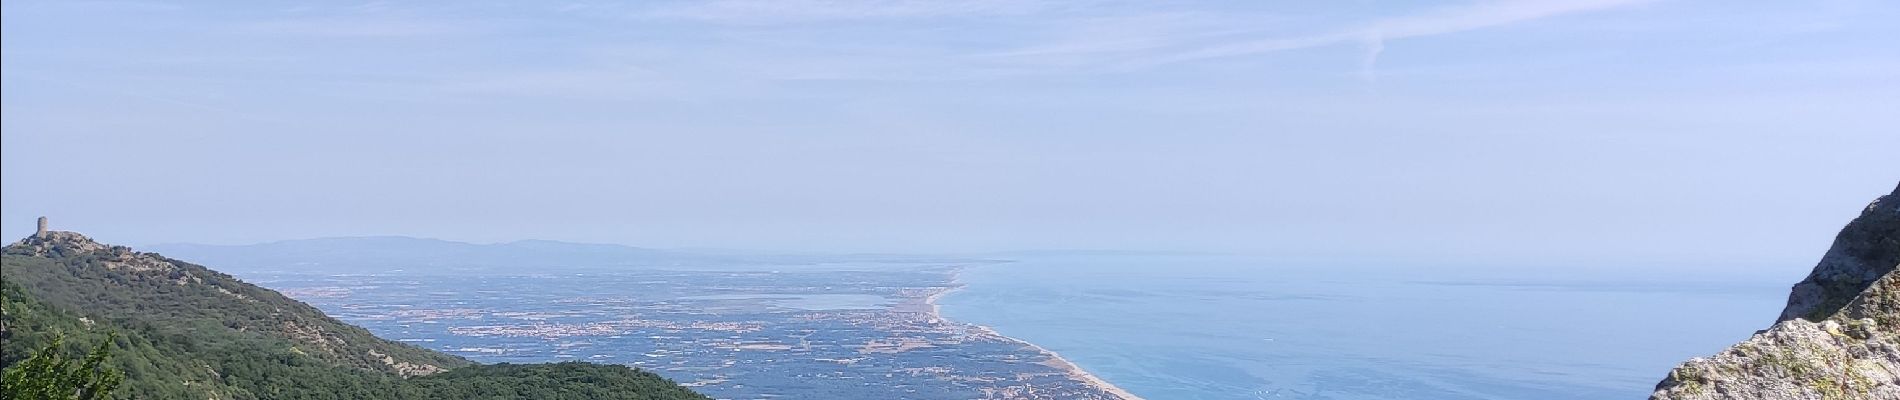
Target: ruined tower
pixel 42 232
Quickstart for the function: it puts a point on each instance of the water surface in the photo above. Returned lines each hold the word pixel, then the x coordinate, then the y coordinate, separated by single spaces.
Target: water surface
pixel 1205 327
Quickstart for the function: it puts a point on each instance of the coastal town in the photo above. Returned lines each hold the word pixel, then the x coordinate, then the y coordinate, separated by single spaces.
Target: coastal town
pixel 872 332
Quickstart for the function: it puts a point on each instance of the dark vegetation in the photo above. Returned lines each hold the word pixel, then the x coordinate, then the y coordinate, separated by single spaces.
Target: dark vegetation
pixel 176 330
pixel 51 374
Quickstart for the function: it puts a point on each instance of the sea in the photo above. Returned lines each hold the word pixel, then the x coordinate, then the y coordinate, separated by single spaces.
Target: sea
pixel 1234 327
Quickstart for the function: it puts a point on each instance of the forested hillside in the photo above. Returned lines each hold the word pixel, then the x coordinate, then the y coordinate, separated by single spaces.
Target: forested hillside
pixel 179 330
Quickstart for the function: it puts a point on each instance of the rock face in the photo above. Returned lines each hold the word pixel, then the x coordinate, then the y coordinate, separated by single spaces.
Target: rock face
pixel 1866 250
pixel 61 243
pixel 1838 338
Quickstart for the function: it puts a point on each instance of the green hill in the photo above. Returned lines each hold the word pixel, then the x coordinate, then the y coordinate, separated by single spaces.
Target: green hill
pixel 179 330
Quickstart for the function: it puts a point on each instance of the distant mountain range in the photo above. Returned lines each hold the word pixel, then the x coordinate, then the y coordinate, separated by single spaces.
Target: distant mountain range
pixel 177 330
pixel 381 253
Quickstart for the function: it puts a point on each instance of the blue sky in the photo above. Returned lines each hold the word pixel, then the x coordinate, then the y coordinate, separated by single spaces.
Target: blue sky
pixel 1563 131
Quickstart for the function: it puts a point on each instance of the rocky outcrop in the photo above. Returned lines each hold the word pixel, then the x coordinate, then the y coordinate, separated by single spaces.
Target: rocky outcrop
pixel 73 244
pixel 1838 337
pixel 1867 249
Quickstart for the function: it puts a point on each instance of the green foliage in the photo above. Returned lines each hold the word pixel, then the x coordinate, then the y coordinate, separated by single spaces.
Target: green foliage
pixel 32 324
pixel 190 332
pixel 189 297
pixel 567 380
pixel 50 374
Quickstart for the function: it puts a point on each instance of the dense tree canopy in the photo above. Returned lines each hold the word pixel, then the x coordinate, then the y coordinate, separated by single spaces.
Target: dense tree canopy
pixel 50 375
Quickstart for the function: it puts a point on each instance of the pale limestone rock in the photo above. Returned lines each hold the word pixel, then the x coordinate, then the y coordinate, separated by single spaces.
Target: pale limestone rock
pixel 1838 338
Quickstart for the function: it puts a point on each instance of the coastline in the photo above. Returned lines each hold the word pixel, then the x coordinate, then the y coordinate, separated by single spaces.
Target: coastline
pixel 1055 359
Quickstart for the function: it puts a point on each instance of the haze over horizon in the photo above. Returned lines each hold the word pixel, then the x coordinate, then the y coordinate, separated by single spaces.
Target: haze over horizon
pixel 1624 132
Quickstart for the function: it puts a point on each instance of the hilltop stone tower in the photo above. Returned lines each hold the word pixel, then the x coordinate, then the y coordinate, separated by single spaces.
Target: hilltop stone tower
pixel 42 232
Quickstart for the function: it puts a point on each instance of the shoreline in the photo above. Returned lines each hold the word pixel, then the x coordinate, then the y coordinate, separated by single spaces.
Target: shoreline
pixel 1055 359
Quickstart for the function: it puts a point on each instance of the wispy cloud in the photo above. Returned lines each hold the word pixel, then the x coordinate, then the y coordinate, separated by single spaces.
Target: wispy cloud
pixel 355 27
pixel 1374 34
pixel 1145 39
pixel 1374 46
pixel 124 5
pixel 1015 37
pixel 1136 32
pixel 793 11
pixel 121 91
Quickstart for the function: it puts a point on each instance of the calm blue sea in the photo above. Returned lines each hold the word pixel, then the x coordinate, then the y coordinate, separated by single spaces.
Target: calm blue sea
pixel 1218 327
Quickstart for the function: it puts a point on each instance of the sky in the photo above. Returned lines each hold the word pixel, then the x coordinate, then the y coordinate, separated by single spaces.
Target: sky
pixel 1550 132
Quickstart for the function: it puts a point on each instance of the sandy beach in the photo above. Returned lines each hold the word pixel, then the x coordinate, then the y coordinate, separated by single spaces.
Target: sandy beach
pixel 1055 359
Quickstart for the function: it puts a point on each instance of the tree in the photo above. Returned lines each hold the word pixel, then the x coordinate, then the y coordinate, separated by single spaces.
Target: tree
pixel 50 375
